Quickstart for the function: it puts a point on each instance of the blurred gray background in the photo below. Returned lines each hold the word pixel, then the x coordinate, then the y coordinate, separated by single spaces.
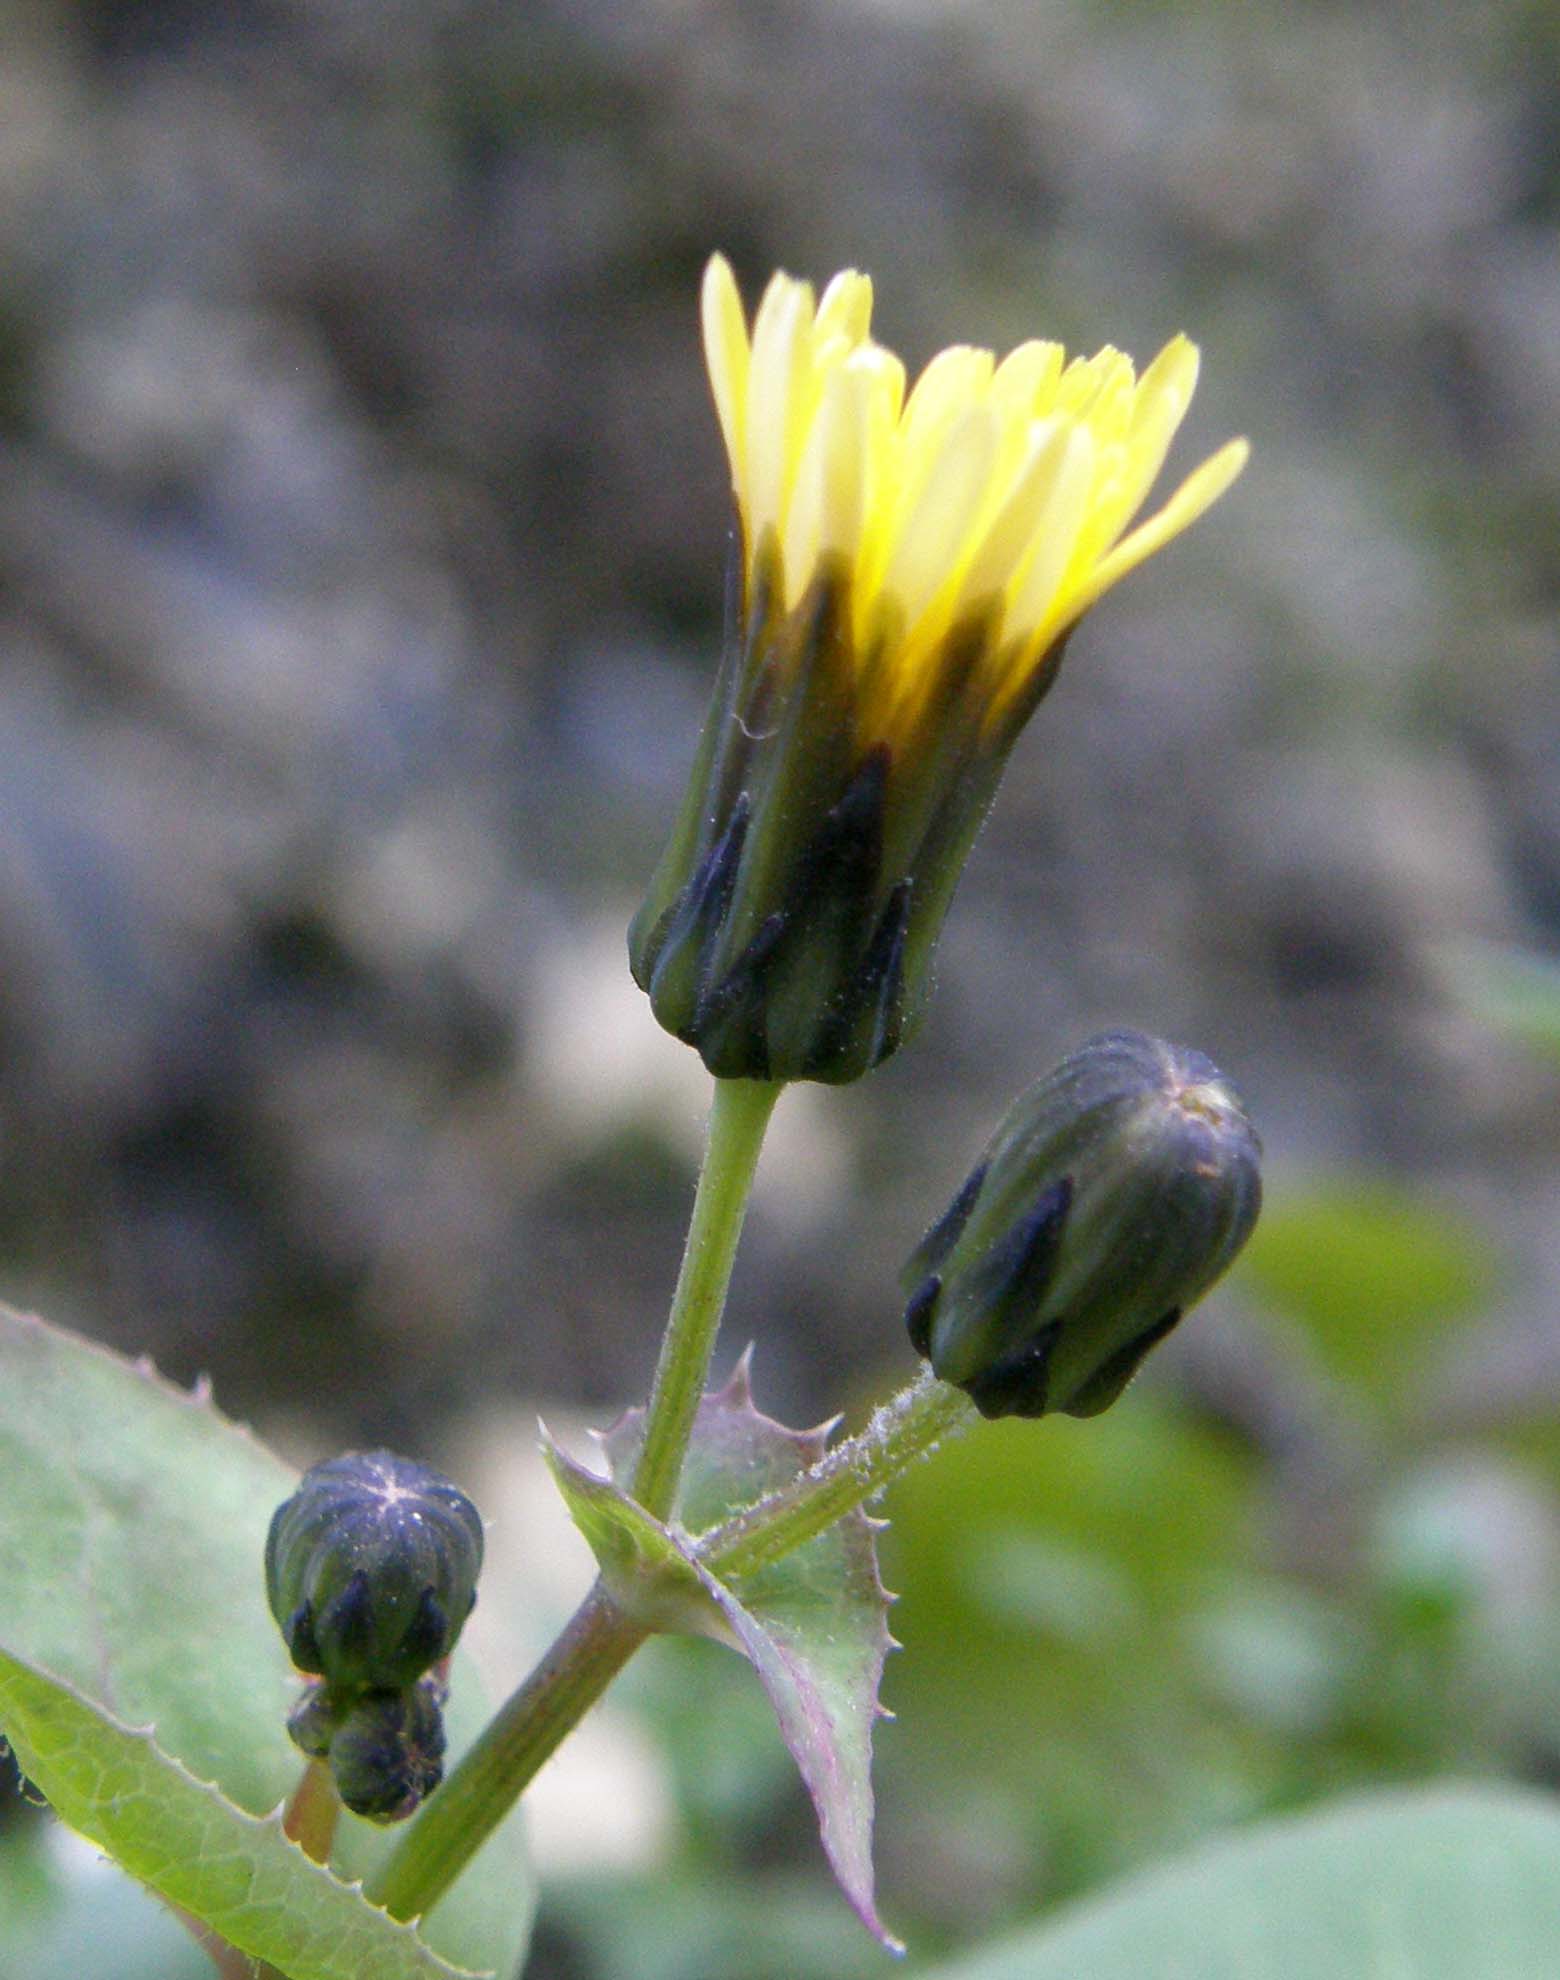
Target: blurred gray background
pixel 361 531
pixel 361 521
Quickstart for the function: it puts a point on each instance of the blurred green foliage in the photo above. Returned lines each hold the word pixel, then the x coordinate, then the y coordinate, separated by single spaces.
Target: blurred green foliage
pixel 1514 991
pixel 1375 1274
pixel 69 1915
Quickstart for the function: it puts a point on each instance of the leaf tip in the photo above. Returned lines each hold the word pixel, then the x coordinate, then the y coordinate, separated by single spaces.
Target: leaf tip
pixel 815 1442
pixel 738 1391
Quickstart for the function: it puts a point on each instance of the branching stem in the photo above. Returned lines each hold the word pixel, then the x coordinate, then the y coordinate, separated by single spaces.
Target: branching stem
pixel 904 1430
pixel 463 1813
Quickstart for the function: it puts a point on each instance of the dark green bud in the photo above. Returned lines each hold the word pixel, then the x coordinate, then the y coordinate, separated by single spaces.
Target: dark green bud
pixel 313 1720
pixel 371 1570
pixel 1114 1194
pixel 789 928
pixel 387 1753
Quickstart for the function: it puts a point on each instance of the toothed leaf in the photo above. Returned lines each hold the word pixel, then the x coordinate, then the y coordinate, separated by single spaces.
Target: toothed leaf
pixel 137 1646
pixel 813 1625
pixel 235 1871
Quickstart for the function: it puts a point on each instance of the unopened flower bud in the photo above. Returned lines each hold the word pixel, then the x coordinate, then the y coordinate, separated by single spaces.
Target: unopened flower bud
pixel 371 1570
pixel 1114 1194
pixel 387 1755
pixel 312 1722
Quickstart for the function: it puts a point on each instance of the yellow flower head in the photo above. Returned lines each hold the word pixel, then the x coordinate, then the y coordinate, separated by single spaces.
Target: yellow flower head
pixel 910 565
pixel 991 492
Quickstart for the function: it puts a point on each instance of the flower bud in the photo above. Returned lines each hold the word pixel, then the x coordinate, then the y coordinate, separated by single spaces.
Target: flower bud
pixel 312 1722
pixel 387 1754
pixel 1114 1194
pixel 371 1569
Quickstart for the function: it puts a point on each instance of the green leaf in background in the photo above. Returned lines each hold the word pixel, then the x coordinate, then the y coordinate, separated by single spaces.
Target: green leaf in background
pixel 1441 1884
pixel 687 1925
pixel 1377 1274
pixel 132 1530
pixel 813 1625
pixel 1057 1719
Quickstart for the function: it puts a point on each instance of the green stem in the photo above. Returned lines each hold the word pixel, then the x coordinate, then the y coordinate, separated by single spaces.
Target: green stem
pixel 738 1117
pixel 907 1428
pixel 600 1639
pixel 463 1813
pixel 312 1813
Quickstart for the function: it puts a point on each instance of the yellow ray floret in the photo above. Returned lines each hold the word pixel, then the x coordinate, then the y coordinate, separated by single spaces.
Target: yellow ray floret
pixel 1004 490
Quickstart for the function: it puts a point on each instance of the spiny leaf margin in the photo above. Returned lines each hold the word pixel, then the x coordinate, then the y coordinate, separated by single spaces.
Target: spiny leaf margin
pixel 238 1873
pixel 813 1624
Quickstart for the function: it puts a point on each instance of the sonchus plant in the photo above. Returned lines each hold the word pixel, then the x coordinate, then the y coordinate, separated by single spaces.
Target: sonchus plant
pixel 908 562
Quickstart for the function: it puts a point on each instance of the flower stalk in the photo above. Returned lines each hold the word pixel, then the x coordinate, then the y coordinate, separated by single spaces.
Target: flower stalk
pixel 594 1646
pixel 904 1430
pixel 312 1812
pixel 600 1638
pixel 738 1117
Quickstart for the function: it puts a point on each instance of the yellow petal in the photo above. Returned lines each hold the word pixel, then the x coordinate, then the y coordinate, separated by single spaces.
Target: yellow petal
pixel 1200 490
pixel 1024 375
pixel 1166 387
pixel 845 309
pixel 929 547
pixel 885 377
pixel 1163 395
pixel 1110 410
pixel 725 354
pixel 953 380
pixel 1080 386
pixel 1103 509
pixel 780 372
pixel 1056 531
pixel 1011 532
pixel 826 510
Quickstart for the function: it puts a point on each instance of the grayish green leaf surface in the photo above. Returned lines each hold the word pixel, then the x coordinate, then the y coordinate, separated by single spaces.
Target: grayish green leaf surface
pixel 131 1536
pixel 1440 1884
